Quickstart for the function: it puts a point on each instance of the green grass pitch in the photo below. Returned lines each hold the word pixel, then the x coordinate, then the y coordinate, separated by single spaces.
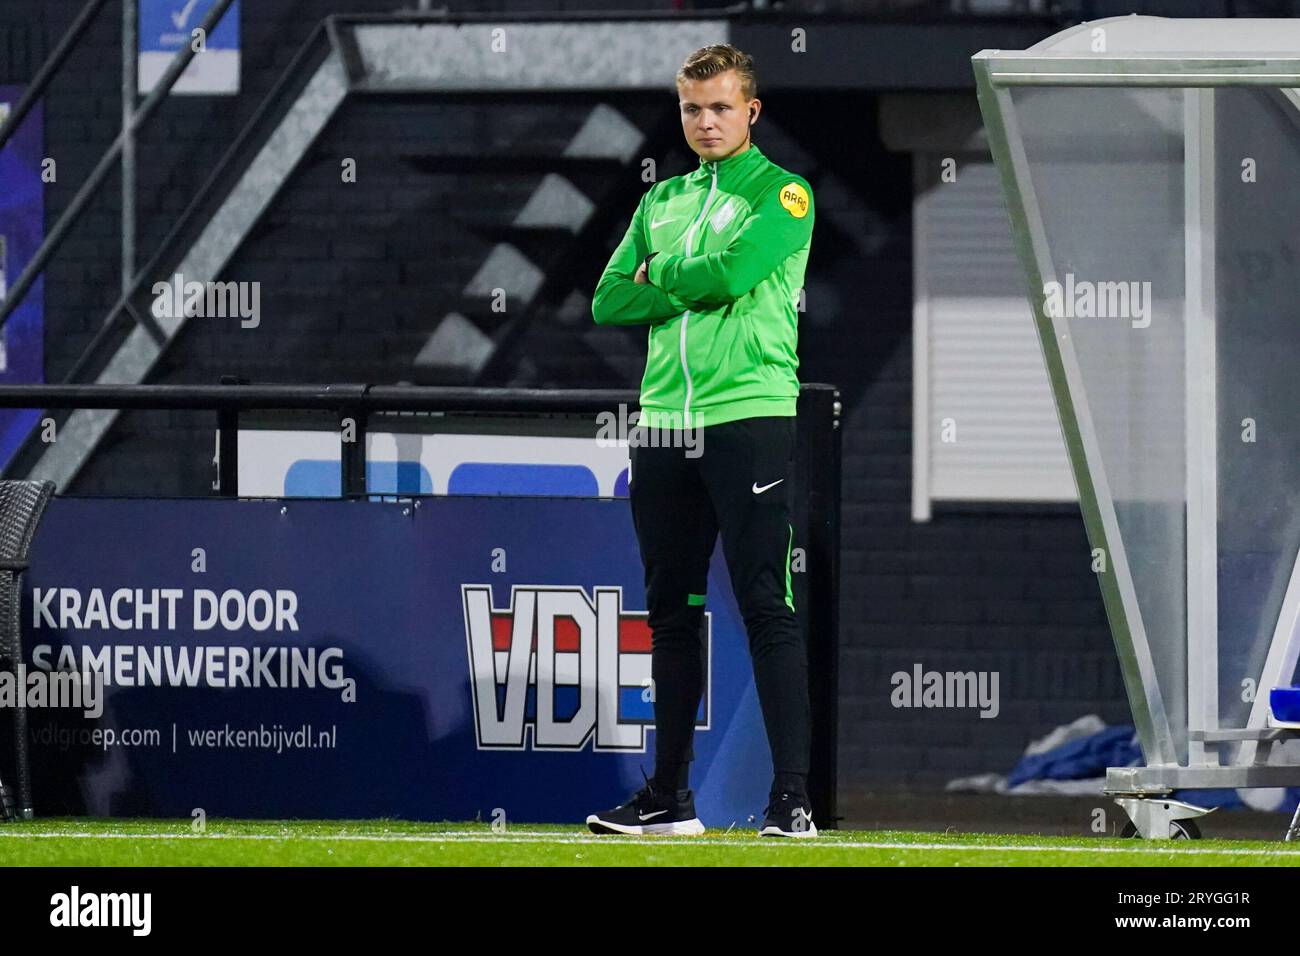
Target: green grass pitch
pixel 84 842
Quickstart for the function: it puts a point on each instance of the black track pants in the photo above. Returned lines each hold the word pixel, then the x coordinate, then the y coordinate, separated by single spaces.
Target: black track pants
pixel 738 484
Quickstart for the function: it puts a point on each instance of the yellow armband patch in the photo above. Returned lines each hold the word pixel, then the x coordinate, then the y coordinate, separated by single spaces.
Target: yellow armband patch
pixel 795 200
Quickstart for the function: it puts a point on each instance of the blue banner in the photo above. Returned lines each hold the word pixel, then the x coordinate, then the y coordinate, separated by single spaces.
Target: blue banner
pixel 451 658
pixel 22 230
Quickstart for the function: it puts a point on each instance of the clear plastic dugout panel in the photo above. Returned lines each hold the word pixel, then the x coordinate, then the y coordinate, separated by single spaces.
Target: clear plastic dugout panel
pixel 1152 174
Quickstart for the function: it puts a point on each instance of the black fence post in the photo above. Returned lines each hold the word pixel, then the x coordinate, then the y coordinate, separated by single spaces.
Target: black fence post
pixel 228 452
pixel 228 445
pixel 818 511
pixel 352 438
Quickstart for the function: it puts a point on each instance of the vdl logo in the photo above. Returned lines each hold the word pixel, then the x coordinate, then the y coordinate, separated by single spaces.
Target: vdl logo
pixel 568 666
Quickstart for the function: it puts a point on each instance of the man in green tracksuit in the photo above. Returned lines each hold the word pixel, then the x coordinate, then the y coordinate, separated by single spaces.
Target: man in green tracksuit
pixel 713 262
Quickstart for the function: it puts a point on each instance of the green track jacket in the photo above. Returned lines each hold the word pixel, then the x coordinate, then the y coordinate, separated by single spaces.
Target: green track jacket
pixel 732 239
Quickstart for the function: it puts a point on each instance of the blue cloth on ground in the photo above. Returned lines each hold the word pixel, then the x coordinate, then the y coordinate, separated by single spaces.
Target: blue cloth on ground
pixel 1080 759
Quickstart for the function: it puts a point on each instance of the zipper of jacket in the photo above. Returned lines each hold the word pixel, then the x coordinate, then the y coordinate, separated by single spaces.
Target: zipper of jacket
pixel 690 238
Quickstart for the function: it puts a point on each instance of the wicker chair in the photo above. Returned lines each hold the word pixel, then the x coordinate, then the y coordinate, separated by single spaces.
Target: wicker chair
pixel 21 505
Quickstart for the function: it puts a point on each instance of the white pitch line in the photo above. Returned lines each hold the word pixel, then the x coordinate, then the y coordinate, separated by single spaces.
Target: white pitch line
pixel 455 836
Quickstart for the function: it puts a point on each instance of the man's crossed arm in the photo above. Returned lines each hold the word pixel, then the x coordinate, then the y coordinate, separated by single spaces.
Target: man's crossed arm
pixel 779 226
pixel 771 234
pixel 619 299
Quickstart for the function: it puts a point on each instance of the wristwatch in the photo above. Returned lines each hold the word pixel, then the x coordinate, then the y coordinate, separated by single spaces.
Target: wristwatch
pixel 646 263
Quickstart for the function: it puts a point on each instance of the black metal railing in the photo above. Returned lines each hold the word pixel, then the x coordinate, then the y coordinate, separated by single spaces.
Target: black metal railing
pixel 94 182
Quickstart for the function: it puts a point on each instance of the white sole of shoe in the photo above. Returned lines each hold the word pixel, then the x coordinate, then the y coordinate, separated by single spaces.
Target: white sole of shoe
pixel 692 827
pixel 797 834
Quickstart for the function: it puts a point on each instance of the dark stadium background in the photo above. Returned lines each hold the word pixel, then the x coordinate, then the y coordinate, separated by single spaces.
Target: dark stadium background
pixel 355 280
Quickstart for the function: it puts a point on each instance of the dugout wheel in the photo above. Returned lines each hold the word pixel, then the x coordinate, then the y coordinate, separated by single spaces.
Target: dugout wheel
pixel 1178 830
pixel 1159 817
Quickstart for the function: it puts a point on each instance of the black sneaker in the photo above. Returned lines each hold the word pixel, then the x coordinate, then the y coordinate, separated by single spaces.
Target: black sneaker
pixel 650 811
pixel 788 815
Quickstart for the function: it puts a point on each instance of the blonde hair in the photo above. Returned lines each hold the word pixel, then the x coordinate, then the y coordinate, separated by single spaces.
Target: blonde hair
pixel 718 58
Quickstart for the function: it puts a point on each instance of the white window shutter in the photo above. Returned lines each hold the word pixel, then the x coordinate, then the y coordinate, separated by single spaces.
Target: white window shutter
pixel 979 376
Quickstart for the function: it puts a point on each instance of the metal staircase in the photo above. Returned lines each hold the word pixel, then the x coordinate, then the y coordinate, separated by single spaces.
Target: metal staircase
pixel 399 54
